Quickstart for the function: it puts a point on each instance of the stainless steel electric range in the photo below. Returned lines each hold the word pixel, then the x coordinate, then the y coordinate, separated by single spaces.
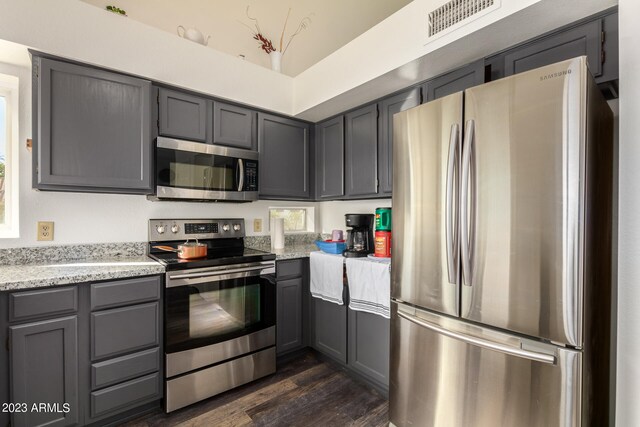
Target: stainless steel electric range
pixel 219 310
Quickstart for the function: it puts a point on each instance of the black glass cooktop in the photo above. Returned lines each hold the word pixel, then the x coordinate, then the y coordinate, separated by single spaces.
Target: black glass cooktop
pixel 216 256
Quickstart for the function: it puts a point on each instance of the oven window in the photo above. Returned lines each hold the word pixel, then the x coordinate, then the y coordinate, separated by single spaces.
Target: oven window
pixel 215 311
pixel 196 171
pixel 221 311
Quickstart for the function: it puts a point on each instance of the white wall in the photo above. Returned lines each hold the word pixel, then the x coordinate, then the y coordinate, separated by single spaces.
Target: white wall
pixel 332 213
pixel 80 31
pixel 628 360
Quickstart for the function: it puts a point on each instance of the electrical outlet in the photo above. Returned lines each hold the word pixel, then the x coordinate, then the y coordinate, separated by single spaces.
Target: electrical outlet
pixel 257 225
pixel 45 230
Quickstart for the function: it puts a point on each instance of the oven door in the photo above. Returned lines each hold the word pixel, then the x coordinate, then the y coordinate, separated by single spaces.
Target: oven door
pixel 204 307
pixel 191 170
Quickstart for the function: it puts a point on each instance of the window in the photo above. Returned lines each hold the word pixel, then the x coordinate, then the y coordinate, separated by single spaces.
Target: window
pixel 8 156
pixel 295 219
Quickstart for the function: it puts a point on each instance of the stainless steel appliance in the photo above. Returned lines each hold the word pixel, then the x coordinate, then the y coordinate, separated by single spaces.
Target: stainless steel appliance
pixel 501 268
pixel 195 171
pixel 219 311
pixel 360 235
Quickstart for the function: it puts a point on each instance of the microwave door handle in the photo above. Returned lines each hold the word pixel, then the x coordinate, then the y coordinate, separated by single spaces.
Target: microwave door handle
pixel 241 173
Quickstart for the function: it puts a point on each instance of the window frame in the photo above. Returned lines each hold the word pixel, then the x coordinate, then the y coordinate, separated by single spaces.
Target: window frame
pixel 309 218
pixel 9 89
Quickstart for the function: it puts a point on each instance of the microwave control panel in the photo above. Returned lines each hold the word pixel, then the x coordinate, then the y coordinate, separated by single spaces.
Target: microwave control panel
pixel 250 176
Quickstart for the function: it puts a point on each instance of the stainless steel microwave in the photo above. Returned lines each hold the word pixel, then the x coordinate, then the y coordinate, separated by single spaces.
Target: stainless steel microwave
pixel 193 171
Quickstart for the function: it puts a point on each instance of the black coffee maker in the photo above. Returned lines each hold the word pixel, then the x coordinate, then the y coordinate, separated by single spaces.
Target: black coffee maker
pixel 360 236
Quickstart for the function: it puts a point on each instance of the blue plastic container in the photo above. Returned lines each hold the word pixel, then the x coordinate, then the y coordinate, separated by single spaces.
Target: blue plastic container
pixel 331 247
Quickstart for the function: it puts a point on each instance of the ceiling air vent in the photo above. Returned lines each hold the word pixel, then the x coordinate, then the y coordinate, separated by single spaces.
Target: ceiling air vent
pixel 453 12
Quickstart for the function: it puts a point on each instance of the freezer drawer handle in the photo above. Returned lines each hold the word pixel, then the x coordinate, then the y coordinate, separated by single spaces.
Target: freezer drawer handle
pixel 490 345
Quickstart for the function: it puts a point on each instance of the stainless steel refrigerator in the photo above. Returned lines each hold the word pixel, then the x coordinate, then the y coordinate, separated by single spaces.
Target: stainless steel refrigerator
pixel 501 268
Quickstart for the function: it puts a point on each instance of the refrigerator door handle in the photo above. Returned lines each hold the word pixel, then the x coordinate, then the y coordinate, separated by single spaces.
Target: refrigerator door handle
pixel 451 214
pixel 479 342
pixel 465 202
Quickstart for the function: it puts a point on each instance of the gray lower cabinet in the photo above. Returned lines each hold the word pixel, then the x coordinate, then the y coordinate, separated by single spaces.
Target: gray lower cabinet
pixel 92 129
pixel 44 370
pixel 182 115
pixel 104 364
pixel 361 152
pixel 291 305
pixel 454 81
pixel 234 126
pixel 289 315
pixel 369 336
pixel 388 107
pixel 329 141
pixel 284 158
pixel 330 329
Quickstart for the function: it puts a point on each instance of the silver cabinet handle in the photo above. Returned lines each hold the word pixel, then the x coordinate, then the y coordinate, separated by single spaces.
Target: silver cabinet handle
pixel 451 216
pixel 241 169
pixel 465 202
pixel 479 342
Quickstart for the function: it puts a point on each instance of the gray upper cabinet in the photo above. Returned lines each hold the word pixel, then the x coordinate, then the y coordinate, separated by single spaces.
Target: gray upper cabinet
pixel 585 39
pixel 455 81
pixel 389 107
pixel 92 129
pixel 361 153
pixel 44 369
pixel 182 115
pixel 330 158
pixel 284 158
pixel 234 126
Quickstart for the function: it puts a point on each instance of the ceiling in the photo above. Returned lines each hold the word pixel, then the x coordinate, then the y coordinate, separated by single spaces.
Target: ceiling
pixel 334 23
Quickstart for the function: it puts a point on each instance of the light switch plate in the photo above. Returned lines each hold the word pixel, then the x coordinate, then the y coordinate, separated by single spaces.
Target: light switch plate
pixel 45 230
pixel 257 225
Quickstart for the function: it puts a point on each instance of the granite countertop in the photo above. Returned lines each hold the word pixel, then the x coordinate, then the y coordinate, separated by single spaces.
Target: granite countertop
pixel 35 267
pixel 301 250
pixel 13 277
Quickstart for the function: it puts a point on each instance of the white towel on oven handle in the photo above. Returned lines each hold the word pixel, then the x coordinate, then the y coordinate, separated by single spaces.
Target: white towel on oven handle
pixel 327 276
pixel 369 286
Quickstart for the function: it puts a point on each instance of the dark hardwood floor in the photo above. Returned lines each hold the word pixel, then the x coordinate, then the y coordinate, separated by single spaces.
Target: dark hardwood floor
pixel 305 391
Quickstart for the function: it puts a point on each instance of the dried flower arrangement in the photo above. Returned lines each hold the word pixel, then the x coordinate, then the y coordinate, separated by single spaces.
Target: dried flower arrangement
pixel 265 43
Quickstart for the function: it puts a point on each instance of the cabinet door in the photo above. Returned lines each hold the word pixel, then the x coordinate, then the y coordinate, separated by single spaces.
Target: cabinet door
pixel 44 369
pixel 92 130
pixel 389 107
pixel 369 345
pixel 284 157
pixel 454 81
pixel 181 115
pixel 289 315
pixel 234 126
pixel 330 329
pixel 361 169
pixel 330 158
pixel 585 39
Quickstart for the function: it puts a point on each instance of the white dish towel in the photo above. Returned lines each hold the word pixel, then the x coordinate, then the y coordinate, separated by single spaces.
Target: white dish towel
pixel 369 286
pixel 326 276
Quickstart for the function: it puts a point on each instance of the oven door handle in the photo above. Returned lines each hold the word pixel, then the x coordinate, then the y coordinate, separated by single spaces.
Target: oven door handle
pixel 232 273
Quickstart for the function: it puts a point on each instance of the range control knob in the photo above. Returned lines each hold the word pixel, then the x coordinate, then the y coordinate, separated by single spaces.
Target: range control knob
pixel 175 228
pixel 226 227
pixel 160 229
pixel 236 227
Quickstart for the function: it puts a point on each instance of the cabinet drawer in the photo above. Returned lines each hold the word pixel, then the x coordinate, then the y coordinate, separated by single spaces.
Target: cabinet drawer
pixel 49 302
pixel 124 292
pixel 123 330
pixel 124 368
pixel 125 395
pixel 289 268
